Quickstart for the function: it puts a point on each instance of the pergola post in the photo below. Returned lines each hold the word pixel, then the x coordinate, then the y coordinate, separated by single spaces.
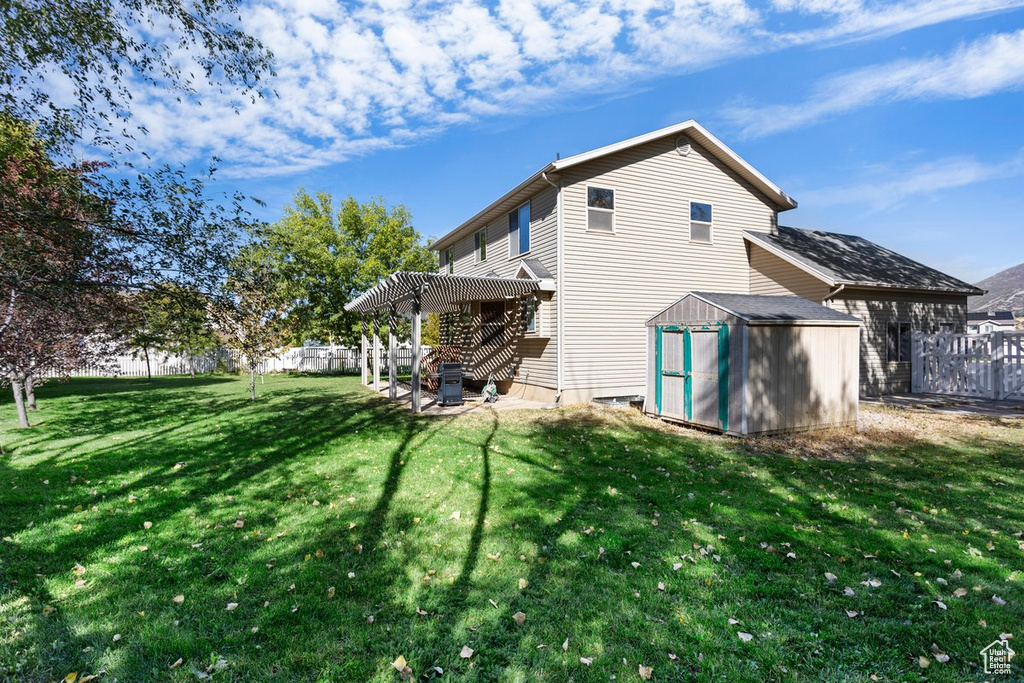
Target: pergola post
pixel 364 370
pixel 376 351
pixel 416 352
pixel 392 353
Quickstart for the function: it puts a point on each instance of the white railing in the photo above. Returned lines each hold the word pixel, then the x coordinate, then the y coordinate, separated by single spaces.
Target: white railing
pixel 981 365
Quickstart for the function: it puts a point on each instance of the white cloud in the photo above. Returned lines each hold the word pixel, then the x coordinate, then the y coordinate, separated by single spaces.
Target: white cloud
pixel 988 65
pixel 886 188
pixel 358 77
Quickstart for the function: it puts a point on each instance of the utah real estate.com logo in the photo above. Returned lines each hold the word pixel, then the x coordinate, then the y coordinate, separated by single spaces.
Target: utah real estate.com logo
pixel 997 657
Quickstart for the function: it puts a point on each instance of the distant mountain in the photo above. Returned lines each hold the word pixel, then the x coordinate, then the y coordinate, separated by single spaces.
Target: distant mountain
pixel 1005 292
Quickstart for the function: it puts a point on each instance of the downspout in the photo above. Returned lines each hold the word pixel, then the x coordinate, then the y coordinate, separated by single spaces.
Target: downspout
pixel 559 305
pixel 835 292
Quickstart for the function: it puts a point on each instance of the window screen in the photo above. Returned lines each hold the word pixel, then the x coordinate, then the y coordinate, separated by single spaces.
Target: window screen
pixel 530 314
pixel 700 222
pixel 600 209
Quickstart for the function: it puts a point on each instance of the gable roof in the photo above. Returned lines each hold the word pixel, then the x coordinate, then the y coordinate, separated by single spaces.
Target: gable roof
pixel 539 180
pixel 994 316
pixel 851 260
pixel 761 308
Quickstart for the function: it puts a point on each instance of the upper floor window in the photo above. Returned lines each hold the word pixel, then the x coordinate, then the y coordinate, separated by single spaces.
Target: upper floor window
pixel 519 230
pixel 600 209
pixel 449 260
pixel 480 245
pixel 700 222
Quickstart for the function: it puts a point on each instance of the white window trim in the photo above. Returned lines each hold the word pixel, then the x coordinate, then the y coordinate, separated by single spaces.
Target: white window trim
pixel 449 257
pixel 690 222
pixel 508 236
pixel 589 208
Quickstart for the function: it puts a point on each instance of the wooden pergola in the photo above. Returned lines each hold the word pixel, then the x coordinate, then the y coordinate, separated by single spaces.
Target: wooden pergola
pixel 412 294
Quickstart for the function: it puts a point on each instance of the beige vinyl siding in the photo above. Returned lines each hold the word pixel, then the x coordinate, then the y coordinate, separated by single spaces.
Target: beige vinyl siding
pixel 773 276
pixel 801 377
pixel 613 282
pixel 924 312
pixel 535 357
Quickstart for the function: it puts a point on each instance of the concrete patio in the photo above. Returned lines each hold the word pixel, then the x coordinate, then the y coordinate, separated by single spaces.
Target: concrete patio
pixel 941 403
pixel 430 406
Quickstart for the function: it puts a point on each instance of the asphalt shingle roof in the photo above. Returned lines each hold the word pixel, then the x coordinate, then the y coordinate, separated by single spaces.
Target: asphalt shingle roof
pixel 991 315
pixel 781 308
pixel 853 260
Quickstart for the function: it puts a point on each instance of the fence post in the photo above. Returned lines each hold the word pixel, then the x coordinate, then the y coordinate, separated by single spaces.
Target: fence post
pixel 997 366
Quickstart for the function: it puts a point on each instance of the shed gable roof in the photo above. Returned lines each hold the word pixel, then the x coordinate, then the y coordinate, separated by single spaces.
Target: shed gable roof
pixel 761 308
pixel 852 260
pixel 540 180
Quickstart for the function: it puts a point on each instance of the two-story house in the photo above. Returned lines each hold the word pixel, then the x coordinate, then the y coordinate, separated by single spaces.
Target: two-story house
pixel 589 247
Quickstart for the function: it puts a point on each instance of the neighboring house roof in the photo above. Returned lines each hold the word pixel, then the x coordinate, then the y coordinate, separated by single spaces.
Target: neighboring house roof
pixel 768 309
pixel 539 180
pixel 991 316
pixel 851 260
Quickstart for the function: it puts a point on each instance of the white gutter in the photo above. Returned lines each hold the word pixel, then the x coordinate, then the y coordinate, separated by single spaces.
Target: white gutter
pixel 559 305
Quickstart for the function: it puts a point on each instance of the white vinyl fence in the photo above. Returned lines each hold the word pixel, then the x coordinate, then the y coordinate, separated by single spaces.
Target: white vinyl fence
pixel 312 359
pixel 980 365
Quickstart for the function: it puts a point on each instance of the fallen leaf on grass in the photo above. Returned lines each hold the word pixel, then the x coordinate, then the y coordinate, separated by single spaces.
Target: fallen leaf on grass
pixel 646 672
pixel 672 657
pixel 421 612
pixel 493 604
pixel 998 600
pixel 239 523
pixel 117 637
pixel 71 677
pixel 745 637
pixel 940 656
pixel 467 652
pixel 661 586
pixel 924 662
pixel 636 565
pixel 830 577
pixel 586 660
pixel 231 606
pixel 403 669
pixel 733 622
pixel 147 525
pixel 677 566
pixel 330 593
pixel 456 515
pixel 871 583
pixel 565 645
pixel 178 662
pixel 960 592
pixel 940 604
pixel 78 570
pixel 853 614
pixel 848 592
pixel 523 583
pixel 519 618
pixel 178 599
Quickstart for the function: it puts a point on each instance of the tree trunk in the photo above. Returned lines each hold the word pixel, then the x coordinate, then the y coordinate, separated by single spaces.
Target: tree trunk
pixel 192 366
pixel 149 371
pixel 19 401
pixel 30 392
pixel 252 381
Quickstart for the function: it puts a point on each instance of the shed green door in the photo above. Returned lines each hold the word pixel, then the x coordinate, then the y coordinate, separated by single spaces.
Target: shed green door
pixel 692 374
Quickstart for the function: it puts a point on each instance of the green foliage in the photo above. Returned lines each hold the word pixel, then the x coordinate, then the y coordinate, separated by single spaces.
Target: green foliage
pixel 566 499
pixel 172 319
pixel 328 257
pixel 105 48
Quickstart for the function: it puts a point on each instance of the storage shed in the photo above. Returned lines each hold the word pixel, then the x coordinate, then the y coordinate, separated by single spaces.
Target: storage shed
pixel 752 364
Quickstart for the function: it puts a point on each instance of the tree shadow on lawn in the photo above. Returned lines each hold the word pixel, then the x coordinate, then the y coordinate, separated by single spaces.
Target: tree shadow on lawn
pixel 541 495
pixel 97 496
pixel 612 483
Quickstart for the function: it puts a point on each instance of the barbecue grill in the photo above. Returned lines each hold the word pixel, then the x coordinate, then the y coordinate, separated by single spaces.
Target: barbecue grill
pixel 449 389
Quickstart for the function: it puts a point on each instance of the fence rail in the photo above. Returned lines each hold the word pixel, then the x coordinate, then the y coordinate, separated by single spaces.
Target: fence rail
pixel 980 365
pixel 312 359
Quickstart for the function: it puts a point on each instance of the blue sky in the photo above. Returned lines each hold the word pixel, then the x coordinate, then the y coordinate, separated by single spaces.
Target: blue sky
pixel 899 121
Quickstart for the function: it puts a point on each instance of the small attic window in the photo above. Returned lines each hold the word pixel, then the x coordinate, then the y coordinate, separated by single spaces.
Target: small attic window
pixel 600 209
pixel 700 222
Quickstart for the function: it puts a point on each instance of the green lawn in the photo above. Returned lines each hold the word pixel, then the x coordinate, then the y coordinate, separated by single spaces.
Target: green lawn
pixel 349 532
